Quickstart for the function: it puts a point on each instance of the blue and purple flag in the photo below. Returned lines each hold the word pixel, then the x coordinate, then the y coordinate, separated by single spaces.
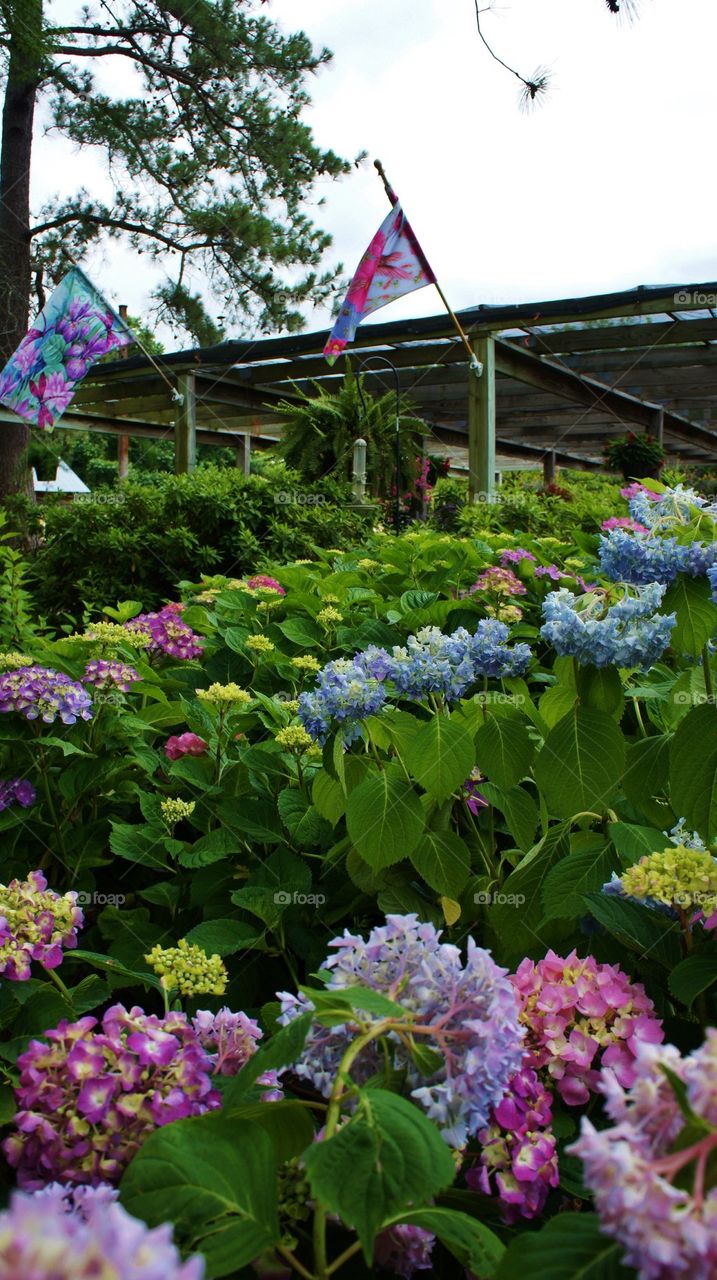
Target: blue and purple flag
pixel 393 264
pixel 75 327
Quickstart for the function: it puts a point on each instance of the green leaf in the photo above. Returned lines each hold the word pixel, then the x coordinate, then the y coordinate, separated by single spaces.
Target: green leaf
pixel 384 818
pixel 601 689
pixel 648 933
pixel 118 970
pixel 302 631
pixel 556 702
pixel 335 1007
pixel 328 797
pixel 581 763
pixel 515 919
pixel 646 778
pixel 8 1105
pixel 223 937
pixel 474 1245
pixel 633 842
pixel 519 810
pixel 282 1050
pixel 301 819
pixel 443 860
pixel 213 847
pixel 580 873
pixel 504 750
pixel 215 1178
pixel 693 771
pixel 570 1247
pixel 388 1158
pixel 288 1124
pixel 690 600
pixel 695 974
pixel 441 755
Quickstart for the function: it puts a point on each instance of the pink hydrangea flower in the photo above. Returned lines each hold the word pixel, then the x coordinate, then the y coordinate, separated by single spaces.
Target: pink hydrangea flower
pixel 170 635
pixel 519 1158
pixel 186 744
pixel 35 924
pixel 623 522
pixel 501 582
pixel 632 490
pixel 261 580
pixel 579 1016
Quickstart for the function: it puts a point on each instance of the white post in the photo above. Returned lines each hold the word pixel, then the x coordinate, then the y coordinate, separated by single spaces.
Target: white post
pixel 359 470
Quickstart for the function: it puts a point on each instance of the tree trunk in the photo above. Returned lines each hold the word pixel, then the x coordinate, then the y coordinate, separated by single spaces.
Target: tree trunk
pixel 23 78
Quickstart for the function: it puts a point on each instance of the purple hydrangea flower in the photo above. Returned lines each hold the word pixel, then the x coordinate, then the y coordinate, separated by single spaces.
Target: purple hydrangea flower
pixel 404 1249
pixel 514 556
pixel 90 1097
pixel 110 674
pixel 470 1009
pixel 35 924
pixel 230 1040
pixel 16 791
pixel 519 1159
pixel 38 693
pixel 48 1237
pixel 170 635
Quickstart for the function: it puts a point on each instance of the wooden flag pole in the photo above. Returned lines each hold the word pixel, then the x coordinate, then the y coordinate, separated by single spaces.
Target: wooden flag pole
pixel 475 363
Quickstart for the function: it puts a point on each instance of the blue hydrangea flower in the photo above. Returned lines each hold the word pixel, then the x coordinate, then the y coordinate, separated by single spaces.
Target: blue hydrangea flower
pixel 712 575
pixel 629 633
pixel 470 1008
pixel 346 694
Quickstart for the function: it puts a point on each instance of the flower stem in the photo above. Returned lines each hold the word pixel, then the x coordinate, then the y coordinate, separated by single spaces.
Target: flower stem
pixel 707 674
pixel 55 977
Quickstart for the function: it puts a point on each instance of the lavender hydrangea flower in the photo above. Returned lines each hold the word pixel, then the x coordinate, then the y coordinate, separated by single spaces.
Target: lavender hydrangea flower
pixel 35 924
pixel 629 633
pixel 110 674
pixel 404 1249
pixel 43 1237
pixel 91 1096
pixel 39 693
pixel 16 791
pixel 346 692
pixel 648 1172
pixel 470 1008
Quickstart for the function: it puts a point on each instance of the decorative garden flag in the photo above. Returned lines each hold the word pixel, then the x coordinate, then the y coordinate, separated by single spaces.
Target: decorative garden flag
pixel 393 264
pixel 75 327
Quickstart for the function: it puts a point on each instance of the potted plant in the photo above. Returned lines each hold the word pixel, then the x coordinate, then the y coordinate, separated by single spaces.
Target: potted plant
pixel 636 456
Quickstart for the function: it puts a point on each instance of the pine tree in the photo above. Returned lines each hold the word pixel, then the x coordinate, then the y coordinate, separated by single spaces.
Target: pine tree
pixel 211 161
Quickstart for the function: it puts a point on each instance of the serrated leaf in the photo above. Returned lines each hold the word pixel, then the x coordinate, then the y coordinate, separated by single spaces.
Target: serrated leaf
pixel 504 750
pixel 223 937
pixel 693 771
pixel 693 976
pixel 440 755
pixel 443 859
pixel 690 600
pixel 566 883
pixel 384 818
pixel 581 763
pixel 570 1247
pixel 474 1245
pixel 282 1050
pixel 519 810
pixel 648 933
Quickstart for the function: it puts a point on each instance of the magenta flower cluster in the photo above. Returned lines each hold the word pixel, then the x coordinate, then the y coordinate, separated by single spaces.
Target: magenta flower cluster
pixel 467 1013
pixel 404 1249
pixel 47 1237
pixel 110 674
pixel 519 1158
pixel 502 582
pixel 35 924
pixel 39 693
pixel 230 1040
pixel 262 580
pixel 169 634
pixel 652 1172
pixel 91 1096
pixel 16 791
pixel 184 744
pixel 580 1016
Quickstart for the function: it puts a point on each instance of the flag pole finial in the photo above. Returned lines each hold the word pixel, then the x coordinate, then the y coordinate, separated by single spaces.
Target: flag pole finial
pixel 386 184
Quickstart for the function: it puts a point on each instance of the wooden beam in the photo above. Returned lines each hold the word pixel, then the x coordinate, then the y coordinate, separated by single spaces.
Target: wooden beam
pixel 481 425
pixel 185 429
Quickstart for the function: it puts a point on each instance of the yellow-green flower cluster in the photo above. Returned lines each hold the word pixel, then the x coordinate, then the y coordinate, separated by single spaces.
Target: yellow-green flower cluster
pixel 260 644
pixel 175 810
pixel 305 662
pixel 289 704
pixel 294 737
pixel 367 563
pixel 224 695
pixel 505 612
pixel 188 969
pixel 328 617
pixel 329 599
pixel 678 876
pixel 111 635
pixel 13 661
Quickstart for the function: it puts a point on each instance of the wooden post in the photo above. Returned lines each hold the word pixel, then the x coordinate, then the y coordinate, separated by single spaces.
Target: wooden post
pixel 549 469
pixel 244 453
pixel 660 426
pixel 185 426
pixel 481 424
pixel 123 441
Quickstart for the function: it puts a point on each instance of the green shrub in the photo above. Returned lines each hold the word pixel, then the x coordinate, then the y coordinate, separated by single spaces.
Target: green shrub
pixel 580 502
pixel 139 540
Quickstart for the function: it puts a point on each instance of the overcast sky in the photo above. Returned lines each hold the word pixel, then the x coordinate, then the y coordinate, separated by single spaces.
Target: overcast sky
pixel 610 183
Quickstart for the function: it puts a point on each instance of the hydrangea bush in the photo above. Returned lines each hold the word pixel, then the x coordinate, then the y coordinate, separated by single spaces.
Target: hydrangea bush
pixel 479 774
